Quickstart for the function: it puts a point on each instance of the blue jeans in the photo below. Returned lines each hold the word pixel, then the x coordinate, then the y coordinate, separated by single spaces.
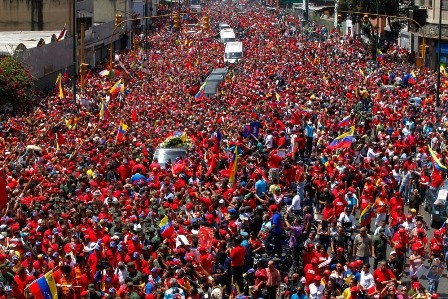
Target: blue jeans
pixel 433 285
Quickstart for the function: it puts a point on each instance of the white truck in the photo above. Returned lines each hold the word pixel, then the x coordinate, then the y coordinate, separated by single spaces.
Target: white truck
pixel 233 52
pixel 227 35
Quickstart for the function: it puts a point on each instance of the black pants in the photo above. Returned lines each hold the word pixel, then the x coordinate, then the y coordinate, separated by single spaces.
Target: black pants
pixel 276 240
pixel 309 145
pixel 237 276
pixel 272 292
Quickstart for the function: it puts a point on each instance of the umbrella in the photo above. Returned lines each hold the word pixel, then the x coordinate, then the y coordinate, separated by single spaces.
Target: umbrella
pixel 33 147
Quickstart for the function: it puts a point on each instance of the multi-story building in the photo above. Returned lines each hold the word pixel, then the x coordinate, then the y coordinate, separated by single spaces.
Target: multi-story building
pixel 436 21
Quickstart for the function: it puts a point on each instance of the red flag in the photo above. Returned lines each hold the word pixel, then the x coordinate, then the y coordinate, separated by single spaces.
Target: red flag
pixel 3 195
pixel 134 115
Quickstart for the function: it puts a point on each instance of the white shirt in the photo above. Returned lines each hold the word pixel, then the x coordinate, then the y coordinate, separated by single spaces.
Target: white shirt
pixel 269 141
pixel 344 218
pixel 408 226
pixel 296 204
pixel 371 154
pixel 122 275
pixel 387 231
pixel 366 280
pixel 316 292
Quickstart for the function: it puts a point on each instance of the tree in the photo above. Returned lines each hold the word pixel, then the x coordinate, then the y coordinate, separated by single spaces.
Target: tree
pixel 399 8
pixel 16 83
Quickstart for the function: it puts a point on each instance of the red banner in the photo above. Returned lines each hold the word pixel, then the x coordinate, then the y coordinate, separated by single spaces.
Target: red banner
pixel 205 236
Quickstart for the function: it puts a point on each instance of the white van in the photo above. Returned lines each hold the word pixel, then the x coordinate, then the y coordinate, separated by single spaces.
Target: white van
pixel 227 35
pixel 233 52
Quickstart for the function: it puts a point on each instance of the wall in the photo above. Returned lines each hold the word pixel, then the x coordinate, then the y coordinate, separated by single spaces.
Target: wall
pixel 104 10
pixel 47 62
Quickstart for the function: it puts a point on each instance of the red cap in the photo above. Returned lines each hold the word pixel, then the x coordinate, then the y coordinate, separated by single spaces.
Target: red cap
pixel 314 260
pixel 340 249
pixel 416 285
pixel 317 277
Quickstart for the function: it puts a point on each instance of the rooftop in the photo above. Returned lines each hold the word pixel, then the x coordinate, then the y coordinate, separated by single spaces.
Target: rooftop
pixel 9 40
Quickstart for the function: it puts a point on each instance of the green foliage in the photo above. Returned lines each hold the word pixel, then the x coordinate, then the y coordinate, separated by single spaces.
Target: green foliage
pixel 16 83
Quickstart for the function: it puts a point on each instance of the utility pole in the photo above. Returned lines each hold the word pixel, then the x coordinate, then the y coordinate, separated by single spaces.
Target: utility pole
pixel 307 11
pixel 75 40
pixel 439 49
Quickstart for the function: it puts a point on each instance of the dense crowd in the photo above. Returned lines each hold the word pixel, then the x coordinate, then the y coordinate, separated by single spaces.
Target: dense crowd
pixel 301 220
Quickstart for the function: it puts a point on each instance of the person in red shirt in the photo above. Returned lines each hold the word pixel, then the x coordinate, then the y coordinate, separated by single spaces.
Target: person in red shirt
pixel 397 218
pixel 309 254
pixel 420 241
pixel 274 164
pixel 395 201
pixel 328 212
pixel 339 204
pixel 21 279
pixel 383 274
pixel 323 256
pixel 311 270
pixel 375 290
pixel 205 259
pixel 237 254
pixel 435 242
pixel 260 276
pixel 400 237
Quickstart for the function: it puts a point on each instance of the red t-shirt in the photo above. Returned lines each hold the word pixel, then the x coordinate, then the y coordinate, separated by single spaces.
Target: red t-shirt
pixel 383 274
pixel 328 213
pixel 237 256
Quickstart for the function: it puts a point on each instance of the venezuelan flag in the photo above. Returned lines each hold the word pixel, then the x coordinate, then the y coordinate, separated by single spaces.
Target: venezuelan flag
pixel 116 88
pixel 201 92
pixel 166 227
pixel 345 122
pixel 122 128
pixel 379 54
pixel 233 166
pixel 366 213
pixel 59 84
pixel 104 112
pixel 437 164
pixel 44 287
pixel 342 141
